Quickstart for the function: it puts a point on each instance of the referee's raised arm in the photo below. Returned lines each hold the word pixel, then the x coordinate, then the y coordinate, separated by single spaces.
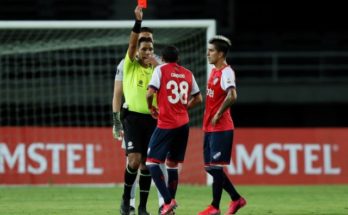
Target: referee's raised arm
pixel 133 39
pixel 138 123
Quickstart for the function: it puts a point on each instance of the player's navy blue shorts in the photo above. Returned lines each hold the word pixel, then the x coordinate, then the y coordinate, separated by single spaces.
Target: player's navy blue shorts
pixel 218 147
pixel 138 129
pixel 168 143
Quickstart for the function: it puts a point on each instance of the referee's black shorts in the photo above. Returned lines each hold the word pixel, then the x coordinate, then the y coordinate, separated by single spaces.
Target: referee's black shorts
pixel 138 128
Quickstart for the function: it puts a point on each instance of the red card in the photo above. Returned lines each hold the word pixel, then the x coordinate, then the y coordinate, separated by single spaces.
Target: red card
pixel 142 3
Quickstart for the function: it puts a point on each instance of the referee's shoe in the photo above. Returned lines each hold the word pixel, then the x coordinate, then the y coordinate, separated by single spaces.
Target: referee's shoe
pixel 131 210
pixel 125 208
pixel 142 211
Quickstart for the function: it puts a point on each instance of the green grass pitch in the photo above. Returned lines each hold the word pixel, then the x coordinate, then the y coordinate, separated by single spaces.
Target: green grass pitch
pixel 262 200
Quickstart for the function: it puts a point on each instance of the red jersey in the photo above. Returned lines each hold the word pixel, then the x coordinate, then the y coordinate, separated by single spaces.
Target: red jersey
pixel 174 84
pixel 219 82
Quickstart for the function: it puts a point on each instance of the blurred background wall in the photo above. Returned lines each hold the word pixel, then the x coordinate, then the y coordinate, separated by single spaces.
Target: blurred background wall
pixel 290 57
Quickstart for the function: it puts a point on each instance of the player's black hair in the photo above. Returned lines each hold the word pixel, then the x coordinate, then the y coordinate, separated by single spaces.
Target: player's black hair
pixel 146 29
pixel 170 54
pixel 221 43
pixel 144 39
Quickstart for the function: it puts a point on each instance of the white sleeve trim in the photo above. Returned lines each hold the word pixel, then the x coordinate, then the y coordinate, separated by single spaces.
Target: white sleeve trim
pixel 119 71
pixel 195 88
pixel 156 77
pixel 227 78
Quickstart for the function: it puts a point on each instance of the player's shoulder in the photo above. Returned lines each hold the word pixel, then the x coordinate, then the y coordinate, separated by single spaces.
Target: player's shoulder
pixel 120 64
pixel 162 65
pixel 121 61
pixel 228 71
pixel 184 70
pixel 159 68
pixel 228 68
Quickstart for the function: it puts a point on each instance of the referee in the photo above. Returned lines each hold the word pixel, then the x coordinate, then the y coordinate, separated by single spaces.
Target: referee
pixel 138 123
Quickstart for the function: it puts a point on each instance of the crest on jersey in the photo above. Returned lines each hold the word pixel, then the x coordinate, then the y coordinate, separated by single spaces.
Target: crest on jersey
pixel 140 83
pixel 229 81
pixel 216 79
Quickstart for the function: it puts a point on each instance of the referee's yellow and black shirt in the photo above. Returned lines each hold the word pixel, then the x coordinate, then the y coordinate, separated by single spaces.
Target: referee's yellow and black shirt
pixel 135 81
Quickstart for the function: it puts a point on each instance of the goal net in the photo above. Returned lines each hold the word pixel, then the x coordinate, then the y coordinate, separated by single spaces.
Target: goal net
pixel 56 89
pixel 62 73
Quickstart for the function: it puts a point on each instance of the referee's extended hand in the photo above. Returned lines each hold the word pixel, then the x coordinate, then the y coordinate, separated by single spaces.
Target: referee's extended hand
pixel 138 12
pixel 117 129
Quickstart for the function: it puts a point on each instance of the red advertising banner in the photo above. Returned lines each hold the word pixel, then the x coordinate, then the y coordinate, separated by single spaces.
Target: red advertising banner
pixel 34 155
pixel 63 155
pixel 290 156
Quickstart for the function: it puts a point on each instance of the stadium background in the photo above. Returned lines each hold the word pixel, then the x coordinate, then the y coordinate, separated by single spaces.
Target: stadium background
pixel 265 32
pixel 290 58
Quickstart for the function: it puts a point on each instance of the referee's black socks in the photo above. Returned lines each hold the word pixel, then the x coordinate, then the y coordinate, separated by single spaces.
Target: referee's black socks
pixel 129 178
pixel 144 185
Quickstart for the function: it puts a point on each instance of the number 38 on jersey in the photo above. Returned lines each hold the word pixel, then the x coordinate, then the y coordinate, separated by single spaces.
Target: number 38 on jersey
pixel 178 91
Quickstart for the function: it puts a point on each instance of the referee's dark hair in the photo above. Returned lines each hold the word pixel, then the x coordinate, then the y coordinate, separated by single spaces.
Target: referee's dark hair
pixel 170 54
pixel 146 29
pixel 144 39
pixel 221 43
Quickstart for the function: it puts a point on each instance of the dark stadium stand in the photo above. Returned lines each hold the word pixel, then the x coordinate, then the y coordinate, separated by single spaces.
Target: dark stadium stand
pixel 291 57
pixel 57 9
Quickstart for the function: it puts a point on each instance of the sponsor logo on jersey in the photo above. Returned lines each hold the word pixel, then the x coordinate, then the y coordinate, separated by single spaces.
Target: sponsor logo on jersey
pixel 176 75
pixel 210 93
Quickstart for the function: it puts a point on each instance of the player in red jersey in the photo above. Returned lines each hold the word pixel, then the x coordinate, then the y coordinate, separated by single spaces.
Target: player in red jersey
pixel 177 91
pixel 218 126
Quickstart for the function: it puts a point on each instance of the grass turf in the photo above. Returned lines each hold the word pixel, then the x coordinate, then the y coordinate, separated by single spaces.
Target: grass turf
pixel 262 200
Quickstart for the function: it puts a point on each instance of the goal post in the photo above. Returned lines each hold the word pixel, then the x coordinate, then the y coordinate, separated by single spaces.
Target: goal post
pixel 60 73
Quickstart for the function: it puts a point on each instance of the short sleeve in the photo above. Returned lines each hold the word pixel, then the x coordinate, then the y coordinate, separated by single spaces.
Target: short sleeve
pixel 119 71
pixel 195 88
pixel 156 78
pixel 228 79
